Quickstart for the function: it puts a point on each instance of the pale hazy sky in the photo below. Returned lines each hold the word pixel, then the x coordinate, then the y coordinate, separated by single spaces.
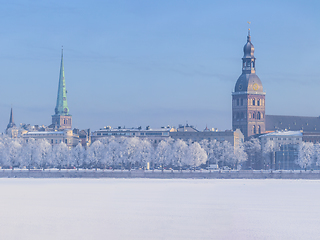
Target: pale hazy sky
pixel 138 63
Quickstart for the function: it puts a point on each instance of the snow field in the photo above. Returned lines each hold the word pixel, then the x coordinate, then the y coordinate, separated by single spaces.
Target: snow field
pixel 159 209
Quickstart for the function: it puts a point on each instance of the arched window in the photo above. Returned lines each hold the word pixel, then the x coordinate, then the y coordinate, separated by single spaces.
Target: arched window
pixel 258 102
pixel 253 102
pixel 254 129
pixel 258 115
pixel 253 115
pixel 259 129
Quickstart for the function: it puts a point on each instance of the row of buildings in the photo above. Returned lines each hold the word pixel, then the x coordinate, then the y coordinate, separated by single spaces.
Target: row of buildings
pixel 249 119
pixel 60 130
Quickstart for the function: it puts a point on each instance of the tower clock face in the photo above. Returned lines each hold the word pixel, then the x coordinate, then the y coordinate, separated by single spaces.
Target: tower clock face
pixel 255 86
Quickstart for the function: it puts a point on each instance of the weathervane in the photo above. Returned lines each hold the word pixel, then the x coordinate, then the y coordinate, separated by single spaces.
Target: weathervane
pixel 249 28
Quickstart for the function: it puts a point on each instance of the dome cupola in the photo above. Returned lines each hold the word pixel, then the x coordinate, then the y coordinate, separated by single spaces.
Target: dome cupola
pixel 248 48
pixel 248 80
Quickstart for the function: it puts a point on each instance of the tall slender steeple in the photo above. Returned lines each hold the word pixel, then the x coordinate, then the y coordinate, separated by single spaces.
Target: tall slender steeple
pixel 62 104
pixel 12 130
pixel 11 121
pixel 62 119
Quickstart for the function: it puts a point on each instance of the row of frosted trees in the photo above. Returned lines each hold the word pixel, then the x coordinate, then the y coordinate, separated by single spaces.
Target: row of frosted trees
pixel 128 153
pixel 120 153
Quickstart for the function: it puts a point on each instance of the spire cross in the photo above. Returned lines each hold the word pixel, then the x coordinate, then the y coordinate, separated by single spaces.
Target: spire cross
pixel 249 28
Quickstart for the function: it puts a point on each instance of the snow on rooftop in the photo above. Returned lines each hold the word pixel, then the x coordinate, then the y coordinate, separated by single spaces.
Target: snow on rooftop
pixel 43 133
pixel 284 133
pixel 135 130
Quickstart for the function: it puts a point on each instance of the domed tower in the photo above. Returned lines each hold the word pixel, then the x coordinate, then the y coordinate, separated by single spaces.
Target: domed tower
pixel 248 98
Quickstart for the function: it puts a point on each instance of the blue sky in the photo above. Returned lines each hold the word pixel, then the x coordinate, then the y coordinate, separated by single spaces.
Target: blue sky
pixel 157 63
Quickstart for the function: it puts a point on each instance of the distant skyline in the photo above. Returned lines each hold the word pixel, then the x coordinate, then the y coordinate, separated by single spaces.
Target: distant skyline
pixel 139 63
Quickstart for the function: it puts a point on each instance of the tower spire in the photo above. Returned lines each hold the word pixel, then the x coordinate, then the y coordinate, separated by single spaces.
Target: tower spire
pixel 62 104
pixel 62 119
pixel 249 36
pixel 11 121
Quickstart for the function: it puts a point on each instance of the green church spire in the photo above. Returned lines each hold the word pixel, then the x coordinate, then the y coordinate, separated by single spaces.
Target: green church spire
pixel 62 104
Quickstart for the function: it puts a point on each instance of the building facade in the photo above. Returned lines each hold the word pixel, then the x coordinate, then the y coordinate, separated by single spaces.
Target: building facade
pixel 155 135
pixel 282 147
pixel 248 98
pixel 186 133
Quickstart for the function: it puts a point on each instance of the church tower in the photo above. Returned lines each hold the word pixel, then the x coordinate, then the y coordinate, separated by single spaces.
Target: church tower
pixel 12 130
pixel 248 98
pixel 62 119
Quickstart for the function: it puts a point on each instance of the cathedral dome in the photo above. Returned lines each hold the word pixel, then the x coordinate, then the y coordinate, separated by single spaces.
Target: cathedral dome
pixel 248 83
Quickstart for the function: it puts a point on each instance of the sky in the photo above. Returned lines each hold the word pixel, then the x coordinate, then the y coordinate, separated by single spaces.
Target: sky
pixel 154 63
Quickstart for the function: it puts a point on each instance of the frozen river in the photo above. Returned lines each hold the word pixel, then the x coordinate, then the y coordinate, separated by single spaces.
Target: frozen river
pixel 159 209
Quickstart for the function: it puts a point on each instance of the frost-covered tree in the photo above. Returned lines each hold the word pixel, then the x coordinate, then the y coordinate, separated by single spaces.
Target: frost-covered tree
pixel 2 149
pixel 227 153
pixel 269 154
pixel 60 156
pixel 77 156
pixel 113 154
pixel 217 152
pixel 196 155
pixel 95 154
pixel 205 144
pixel 29 158
pixel 316 154
pixel 129 151
pixel 305 156
pixel 143 153
pixel 12 153
pixel 179 153
pixel 162 154
pixel 240 156
pixel 253 150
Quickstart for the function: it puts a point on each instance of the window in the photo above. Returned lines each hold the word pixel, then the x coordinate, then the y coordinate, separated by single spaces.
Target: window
pixel 56 141
pixel 66 141
pixel 238 102
pixel 254 130
pixel 51 141
pixel 258 115
pixel 258 102
pixel 253 102
pixel 259 130
pixel 253 115
pixel 241 101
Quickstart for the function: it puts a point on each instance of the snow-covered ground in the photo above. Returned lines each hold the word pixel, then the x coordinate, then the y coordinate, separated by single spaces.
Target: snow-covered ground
pixel 159 209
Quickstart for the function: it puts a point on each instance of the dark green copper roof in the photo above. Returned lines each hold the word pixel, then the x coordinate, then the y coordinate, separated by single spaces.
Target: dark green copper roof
pixel 62 104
